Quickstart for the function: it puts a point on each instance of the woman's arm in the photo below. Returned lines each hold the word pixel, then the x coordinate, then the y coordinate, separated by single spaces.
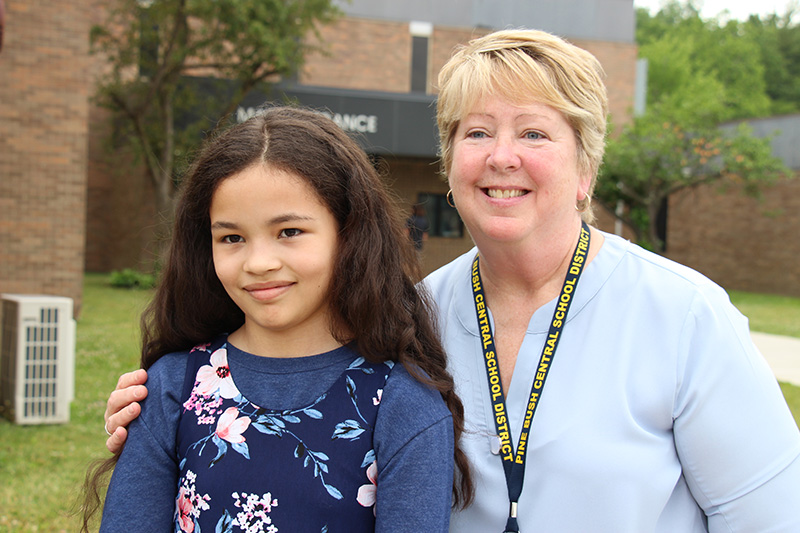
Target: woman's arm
pixel 123 407
pixel 735 436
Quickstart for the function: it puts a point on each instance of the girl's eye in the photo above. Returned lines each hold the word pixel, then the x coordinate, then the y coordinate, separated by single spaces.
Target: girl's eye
pixel 232 239
pixel 290 232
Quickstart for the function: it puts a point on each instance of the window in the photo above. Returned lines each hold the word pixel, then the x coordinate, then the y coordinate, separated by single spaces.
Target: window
pixel 420 35
pixel 443 220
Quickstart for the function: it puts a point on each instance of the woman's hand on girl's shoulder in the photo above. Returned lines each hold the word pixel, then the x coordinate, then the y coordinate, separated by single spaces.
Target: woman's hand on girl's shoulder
pixel 122 407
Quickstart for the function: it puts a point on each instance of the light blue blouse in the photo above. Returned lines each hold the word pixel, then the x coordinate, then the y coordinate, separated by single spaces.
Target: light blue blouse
pixel 659 413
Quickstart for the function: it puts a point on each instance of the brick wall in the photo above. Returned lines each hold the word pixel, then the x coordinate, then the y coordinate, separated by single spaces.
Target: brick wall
pixel 409 177
pixel 444 43
pixel 121 218
pixel 619 63
pixel 362 55
pixel 43 146
pixel 740 242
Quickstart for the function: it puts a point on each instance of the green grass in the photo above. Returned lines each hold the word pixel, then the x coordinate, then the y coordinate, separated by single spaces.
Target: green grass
pixel 769 313
pixel 42 467
pixel 792 395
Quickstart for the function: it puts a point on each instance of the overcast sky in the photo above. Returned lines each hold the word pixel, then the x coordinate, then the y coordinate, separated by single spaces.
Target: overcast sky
pixel 739 9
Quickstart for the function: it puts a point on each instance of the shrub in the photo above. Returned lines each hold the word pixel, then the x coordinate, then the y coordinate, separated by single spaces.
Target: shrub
pixel 131 279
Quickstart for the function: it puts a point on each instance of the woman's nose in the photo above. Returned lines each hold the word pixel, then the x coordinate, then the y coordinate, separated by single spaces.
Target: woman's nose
pixel 504 156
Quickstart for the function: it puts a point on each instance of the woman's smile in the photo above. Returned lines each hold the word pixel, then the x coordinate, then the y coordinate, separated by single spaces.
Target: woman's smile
pixel 505 193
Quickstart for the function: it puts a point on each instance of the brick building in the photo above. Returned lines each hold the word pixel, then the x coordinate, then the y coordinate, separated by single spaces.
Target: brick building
pixel 44 109
pixel 68 204
pixel 377 80
pixel 744 243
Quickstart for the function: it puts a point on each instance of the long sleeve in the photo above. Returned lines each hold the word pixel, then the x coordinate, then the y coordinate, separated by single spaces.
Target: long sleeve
pixel 141 495
pixel 414 449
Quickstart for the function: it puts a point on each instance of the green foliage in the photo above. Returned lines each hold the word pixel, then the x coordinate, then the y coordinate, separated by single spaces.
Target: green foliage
pixel 693 58
pixel 132 279
pixel 757 60
pixel 701 73
pixel 778 45
pixel 153 48
pixel 654 158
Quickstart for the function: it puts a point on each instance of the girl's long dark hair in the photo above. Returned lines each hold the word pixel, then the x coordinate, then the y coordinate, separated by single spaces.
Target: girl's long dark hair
pixel 374 294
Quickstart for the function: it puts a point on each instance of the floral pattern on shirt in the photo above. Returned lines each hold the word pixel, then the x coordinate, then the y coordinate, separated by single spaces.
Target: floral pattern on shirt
pixel 189 504
pixel 228 427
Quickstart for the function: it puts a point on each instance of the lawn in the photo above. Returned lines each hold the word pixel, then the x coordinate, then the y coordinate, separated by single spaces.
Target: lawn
pixel 769 313
pixel 42 467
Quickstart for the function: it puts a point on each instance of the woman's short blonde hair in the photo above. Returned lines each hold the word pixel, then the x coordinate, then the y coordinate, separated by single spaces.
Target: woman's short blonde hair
pixel 523 67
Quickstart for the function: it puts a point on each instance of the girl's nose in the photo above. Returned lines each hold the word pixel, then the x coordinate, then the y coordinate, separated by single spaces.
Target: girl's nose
pixel 504 156
pixel 261 258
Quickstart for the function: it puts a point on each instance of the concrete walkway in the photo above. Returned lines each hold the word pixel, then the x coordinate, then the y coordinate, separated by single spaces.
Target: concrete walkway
pixel 782 354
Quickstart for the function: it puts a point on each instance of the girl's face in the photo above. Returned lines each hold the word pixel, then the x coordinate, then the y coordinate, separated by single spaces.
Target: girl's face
pixel 274 245
pixel 515 171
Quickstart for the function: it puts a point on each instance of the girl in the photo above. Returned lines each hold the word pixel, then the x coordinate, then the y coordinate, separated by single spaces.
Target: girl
pixel 276 403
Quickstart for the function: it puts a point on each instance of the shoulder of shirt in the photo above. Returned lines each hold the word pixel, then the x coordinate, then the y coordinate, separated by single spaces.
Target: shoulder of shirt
pixel 162 407
pixel 668 272
pixel 165 379
pixel 442 281
pixel 168 369
pixel 409 410
pixel 171 368
pixel 405 393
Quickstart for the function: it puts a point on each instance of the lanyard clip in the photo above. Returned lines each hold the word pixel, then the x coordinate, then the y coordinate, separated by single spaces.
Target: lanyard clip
pixel 511 525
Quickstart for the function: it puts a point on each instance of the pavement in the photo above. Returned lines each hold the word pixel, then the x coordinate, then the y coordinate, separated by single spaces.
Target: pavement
pixel 782 354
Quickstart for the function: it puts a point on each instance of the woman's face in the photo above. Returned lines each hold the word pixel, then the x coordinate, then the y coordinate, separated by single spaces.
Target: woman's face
pixel 515 171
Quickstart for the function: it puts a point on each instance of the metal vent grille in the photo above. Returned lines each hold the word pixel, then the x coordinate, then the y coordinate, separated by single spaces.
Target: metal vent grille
pixel 38 350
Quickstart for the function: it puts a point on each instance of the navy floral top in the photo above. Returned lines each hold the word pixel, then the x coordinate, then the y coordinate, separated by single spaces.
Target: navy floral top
pixel 250 468
pixel 282 437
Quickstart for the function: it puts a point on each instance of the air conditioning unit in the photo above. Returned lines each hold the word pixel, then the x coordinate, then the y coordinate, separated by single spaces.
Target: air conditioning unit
pixel 37 358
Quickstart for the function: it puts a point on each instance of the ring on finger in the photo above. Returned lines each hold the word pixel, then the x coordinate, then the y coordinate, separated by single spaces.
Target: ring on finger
pixel 105 426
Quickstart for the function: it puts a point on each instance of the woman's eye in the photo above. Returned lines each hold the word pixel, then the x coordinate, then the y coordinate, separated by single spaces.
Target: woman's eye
pixel 290 232
pixel 476 134
pixel 533 135
pixel 232 239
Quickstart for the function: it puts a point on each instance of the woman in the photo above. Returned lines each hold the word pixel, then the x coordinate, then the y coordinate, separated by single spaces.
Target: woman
pixel 658 413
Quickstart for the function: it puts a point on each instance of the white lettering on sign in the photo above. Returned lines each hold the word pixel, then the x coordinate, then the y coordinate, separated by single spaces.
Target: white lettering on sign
pixel 348 122
pixel 359 123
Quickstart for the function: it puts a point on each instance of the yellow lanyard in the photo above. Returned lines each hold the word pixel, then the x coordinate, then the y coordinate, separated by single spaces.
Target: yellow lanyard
pixel 514 463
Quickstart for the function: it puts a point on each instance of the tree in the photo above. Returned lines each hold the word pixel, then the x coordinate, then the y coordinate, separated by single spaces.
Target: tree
pixel 680 46
pixel 700 75
pixel 778 41
pixel 154 46
pixel 655 158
